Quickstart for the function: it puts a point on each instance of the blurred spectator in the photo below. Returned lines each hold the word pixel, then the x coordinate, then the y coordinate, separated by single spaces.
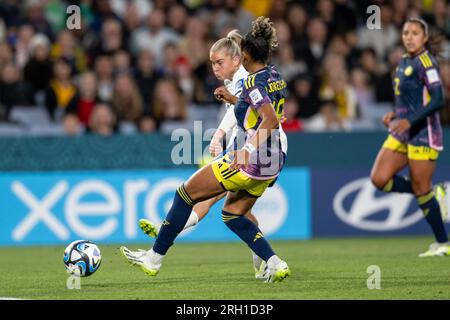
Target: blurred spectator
pixel 55 14
pixel 11 13
pixel 278 9
pixel 344 95
pixel 6 55
pixel 154 36
pixel 380 39
pixel 61 89
pixel 146 77
pixel 34 15
pixel 190 85
pixel 304 90
pixel 67 47
pixel 287 65
pixel 13 91
pixel 142 7
pixel 131 19
pixel 399 12
pixel 169 102
pixel 102 120
pixel 159 52
pixel 313 50
pixel 171 54
pixel 364 92
pixel 383 85
pixel 122 62
pixel 126 101
pixel 102 11
pixel 38 70
pixel 84 101
pixel 148 124
pixel 338 15
pixel 104 71
pixel 368 61
pixel 72 125
pixel 193 44
pixel 22 45
pixel 232 14
pixel 177 18
pixel 439 17
pixel 110 40
pixel 292 122
pixel 297 19
pixel 327 119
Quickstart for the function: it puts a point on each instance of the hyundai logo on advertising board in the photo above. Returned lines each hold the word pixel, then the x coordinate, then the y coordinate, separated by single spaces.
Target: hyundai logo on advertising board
pixel 344 202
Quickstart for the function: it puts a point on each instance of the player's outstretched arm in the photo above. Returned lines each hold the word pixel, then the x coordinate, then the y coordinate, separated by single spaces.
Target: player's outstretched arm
pixel 268 123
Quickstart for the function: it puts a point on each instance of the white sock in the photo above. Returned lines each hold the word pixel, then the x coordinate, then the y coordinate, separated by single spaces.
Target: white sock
pixel 192 220
pixel 273 261
pixel 256 261
pixel 155 258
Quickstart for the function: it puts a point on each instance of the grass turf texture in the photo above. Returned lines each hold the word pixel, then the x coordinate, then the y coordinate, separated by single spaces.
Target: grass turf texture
pixel 321 269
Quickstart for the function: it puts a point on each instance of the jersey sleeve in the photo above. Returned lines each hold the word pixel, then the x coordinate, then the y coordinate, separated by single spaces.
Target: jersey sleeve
pixel 429 71
pixel 229 120
pixel 255 91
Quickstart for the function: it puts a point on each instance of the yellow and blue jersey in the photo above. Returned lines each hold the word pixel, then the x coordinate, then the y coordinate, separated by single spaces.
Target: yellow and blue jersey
pixel 262 87
pixel 416 77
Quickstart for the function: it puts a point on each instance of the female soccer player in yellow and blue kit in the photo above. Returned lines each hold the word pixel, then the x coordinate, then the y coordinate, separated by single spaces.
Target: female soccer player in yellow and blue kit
pixel 415 138
pixel 247 172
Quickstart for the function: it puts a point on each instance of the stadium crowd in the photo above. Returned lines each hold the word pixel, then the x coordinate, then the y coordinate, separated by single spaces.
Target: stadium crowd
pixel 143 66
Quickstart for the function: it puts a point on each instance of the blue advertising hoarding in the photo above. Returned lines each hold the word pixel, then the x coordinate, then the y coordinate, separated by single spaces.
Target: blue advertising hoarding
pixel 345 203
pixel 104 206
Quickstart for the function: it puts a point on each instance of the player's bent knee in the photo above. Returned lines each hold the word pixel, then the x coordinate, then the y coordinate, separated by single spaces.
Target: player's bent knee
pixel 379 181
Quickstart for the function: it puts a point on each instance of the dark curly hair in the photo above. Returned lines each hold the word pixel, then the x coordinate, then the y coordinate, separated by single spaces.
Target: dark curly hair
pixel 261 40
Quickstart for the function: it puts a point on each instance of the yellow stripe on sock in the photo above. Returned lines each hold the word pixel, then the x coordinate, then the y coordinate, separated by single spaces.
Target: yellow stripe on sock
pixel 184 196
pixel 227 218
pixel 425 198
pixel 388 186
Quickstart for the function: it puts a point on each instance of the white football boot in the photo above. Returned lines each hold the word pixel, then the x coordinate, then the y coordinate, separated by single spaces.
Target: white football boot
pixel 276 270
pixel 146 260
pixel 436 250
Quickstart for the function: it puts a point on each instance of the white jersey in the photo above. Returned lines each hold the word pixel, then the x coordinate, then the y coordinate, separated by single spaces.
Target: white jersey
pixel 229 120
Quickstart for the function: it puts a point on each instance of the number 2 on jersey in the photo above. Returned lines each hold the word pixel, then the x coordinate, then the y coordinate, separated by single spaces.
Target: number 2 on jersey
pixel 397 86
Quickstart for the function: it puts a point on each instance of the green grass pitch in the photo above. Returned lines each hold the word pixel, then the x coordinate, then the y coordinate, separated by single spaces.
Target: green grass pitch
pixel 321 269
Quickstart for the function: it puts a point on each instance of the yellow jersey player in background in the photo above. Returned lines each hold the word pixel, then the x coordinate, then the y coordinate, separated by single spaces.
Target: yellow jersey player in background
pixel 415 138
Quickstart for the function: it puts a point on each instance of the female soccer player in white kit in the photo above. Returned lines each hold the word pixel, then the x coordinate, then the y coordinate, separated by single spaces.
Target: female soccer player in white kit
pixel 225 56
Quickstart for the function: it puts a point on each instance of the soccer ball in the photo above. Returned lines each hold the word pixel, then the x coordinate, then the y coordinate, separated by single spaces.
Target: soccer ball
pixel 82 258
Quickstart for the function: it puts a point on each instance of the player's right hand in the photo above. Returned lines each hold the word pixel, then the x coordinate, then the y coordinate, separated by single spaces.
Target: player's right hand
pixel 215 148
pixel 222 94
pixel 387 118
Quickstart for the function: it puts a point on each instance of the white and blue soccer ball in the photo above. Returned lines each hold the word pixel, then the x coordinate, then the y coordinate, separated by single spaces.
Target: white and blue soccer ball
pixel 82 258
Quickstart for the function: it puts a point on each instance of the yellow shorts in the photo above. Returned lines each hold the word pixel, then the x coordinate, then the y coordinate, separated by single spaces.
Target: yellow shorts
pixel 414 152
pixel 236 180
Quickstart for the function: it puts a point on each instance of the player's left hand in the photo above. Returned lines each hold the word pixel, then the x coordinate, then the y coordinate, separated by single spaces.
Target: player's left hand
pixel 400 127
pixel 240 159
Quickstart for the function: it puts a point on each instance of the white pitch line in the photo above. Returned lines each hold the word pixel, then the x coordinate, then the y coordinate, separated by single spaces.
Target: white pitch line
pixel 9 298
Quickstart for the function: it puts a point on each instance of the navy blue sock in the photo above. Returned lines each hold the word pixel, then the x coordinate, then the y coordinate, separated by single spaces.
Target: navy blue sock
pixel 174 223
pixel 432 213
pixel 398 184
pixel 249 233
